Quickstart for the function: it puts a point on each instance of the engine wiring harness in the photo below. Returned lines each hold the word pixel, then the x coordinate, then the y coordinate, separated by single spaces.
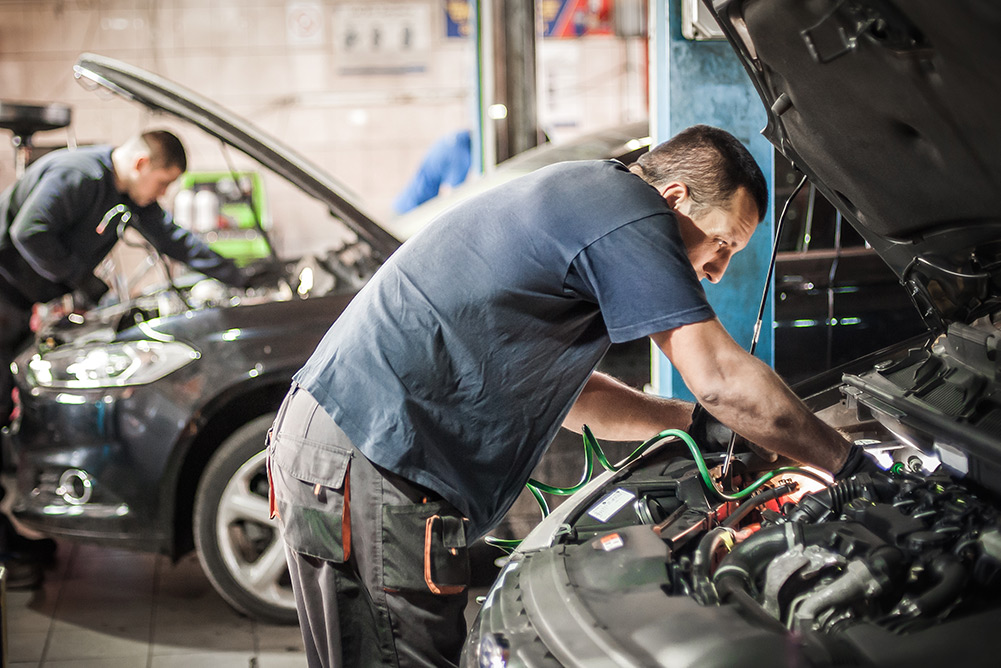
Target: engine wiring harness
pixel 592 450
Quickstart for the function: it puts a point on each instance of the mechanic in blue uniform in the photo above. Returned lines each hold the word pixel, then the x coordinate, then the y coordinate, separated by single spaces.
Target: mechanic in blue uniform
pixel 415 424
pixel 447 163
pixel 57 222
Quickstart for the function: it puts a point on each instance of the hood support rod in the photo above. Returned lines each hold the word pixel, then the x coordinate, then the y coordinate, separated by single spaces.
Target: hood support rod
pixel 761 307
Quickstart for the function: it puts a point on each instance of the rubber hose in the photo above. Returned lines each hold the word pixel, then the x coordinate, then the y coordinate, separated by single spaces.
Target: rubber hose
pixel 951 577
pixel 703 558
pixel 753 555
pixel 830 500
pixel 709 542
pixel 745 508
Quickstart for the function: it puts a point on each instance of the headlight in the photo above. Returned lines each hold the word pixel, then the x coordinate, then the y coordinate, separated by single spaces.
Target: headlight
pixel 493 651
pixel 98 365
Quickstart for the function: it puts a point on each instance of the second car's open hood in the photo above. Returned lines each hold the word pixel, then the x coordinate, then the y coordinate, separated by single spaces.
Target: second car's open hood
pixel 891 108
pixel 159 94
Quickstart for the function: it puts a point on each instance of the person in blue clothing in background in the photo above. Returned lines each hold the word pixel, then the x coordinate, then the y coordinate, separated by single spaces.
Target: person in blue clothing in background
pixel 446 164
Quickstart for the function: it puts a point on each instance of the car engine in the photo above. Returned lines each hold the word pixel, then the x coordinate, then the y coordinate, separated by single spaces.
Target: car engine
pixel 900 551
pixel 850 573
pixel 669 562
pixel 340 270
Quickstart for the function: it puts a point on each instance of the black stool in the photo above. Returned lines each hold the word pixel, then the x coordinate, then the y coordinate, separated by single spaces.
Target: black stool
pixel 24 120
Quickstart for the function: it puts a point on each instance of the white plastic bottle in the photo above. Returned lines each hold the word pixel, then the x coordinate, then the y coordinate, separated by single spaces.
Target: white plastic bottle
pixel 184 202
pixel 206 211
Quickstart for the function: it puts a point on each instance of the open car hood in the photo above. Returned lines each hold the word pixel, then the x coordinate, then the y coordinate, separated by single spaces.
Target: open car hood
pixel 161 95
pixel 891 109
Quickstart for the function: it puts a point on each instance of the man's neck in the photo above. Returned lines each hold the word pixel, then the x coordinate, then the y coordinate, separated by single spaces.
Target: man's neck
pixel 118 169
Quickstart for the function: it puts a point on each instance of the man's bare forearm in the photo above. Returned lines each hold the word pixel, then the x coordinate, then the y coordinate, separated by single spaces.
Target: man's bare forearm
pixel 761 408
pixel 615 411
pixel 745 394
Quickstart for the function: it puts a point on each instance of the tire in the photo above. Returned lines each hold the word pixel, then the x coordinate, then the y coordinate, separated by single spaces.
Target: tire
pixel 238 545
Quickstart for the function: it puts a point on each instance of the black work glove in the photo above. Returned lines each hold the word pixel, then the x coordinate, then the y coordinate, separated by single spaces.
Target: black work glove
pixel 858 462
pixel 261 273
pixel 711 435
pixel 89 292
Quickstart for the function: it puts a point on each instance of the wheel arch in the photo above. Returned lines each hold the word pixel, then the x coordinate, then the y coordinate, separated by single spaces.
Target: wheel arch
pixel 220 418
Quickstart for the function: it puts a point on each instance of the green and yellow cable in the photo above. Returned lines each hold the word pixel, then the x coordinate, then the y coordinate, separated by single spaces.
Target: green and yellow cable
pixel 592 449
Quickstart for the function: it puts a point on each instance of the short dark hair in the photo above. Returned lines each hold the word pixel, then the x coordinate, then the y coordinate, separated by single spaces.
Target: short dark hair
pixel 165 149
pixel 711 162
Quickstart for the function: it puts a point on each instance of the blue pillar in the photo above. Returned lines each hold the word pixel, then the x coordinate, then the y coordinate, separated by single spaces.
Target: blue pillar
pixel 704 82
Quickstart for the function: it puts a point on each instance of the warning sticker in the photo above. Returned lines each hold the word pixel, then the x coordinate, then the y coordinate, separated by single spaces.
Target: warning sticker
pixel 612 541
pixel 610 504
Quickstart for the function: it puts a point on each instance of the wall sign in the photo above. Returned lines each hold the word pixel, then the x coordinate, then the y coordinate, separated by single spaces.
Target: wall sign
pixel 382 37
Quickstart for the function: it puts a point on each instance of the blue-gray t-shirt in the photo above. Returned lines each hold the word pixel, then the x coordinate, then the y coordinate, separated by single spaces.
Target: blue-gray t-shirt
pixel 456 364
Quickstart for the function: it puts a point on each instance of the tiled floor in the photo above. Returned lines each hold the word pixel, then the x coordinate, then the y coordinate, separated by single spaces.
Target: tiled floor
pixel 115 609
pixel 104 608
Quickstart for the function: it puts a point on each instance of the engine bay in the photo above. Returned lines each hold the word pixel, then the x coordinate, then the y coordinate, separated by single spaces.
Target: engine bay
pixel 666 564
pixel 900 549
pixel 340 270
pixel 850 572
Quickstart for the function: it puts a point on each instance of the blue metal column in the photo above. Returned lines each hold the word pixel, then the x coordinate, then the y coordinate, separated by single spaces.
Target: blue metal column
pixel 703 82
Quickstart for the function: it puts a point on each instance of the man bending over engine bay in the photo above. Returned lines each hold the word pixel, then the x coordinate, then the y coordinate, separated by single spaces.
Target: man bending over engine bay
pixel 417 421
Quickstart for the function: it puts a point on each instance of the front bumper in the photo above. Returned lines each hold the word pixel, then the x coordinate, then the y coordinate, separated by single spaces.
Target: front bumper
pixel 90 464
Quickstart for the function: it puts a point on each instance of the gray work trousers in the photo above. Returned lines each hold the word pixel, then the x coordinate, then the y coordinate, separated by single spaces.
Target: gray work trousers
pixel 379 566
pixel 15 332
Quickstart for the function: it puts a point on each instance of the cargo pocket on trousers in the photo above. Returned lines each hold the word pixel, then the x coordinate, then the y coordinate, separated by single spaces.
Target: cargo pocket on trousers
pixel 424 548
pixel 313 499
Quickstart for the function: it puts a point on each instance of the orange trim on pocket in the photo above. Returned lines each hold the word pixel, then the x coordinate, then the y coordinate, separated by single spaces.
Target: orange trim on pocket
pixel 272 501
pixel 346 514
pixel 443 590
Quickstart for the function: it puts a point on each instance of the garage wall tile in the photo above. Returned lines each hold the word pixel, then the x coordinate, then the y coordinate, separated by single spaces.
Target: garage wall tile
pixel 370 131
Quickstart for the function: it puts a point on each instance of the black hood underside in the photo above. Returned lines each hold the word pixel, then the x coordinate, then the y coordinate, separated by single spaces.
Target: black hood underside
pixel 892 109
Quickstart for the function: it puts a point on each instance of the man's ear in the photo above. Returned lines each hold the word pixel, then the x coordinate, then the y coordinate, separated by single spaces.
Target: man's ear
pixel 140 162
pixel 675 194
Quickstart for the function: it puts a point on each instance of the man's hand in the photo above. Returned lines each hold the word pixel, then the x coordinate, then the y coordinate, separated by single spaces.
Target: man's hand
pixel 89 292
pixel 858 462
pixel 711 435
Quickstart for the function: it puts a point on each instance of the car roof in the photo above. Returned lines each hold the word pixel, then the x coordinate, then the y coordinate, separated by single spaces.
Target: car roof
pixel 624 142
